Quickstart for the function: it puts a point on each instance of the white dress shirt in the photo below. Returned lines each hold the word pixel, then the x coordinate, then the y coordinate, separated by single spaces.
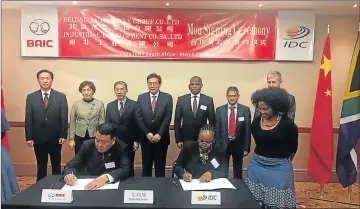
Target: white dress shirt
pixel 43 93
pixel 151 96
pixel 111 179
pixel 123 101
pixel 192 100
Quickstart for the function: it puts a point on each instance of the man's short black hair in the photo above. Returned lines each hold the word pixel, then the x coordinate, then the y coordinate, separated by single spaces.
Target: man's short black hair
pixel 276 98
pixel 233 88
pixel 107 129
pixel 154 75
pixel 45 71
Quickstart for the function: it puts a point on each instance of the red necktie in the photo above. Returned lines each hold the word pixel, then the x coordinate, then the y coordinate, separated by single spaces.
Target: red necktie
pixel 232 121
pixel 153 103
pixel 46 100
pixel 194 105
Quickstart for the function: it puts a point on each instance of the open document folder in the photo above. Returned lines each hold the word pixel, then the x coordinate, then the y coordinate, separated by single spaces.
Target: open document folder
pixel 220 183
pixel 81 183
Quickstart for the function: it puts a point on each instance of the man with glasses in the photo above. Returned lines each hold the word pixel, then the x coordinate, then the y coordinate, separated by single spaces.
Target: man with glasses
pixel 154 114
pixel 104 156
pixel 200 159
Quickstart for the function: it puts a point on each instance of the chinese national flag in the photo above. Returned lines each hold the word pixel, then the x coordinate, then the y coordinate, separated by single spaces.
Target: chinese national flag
pixel 321 137
pixel 4 141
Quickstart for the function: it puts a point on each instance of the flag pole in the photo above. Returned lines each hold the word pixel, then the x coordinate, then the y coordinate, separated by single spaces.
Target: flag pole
pixel 322 191
pixel 322 186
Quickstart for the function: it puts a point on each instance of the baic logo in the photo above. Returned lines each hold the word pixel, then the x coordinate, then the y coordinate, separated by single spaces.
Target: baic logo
pixel 51 195
pixel 293 34
pixel 60 195
pixel 39 27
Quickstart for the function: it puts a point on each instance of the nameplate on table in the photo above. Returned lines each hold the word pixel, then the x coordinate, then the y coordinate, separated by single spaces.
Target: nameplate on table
pixel 139 196
pixel 56 196
pixel 205 198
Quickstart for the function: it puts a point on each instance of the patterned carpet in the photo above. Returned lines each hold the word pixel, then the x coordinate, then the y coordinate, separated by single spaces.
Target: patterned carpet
pixel 304 191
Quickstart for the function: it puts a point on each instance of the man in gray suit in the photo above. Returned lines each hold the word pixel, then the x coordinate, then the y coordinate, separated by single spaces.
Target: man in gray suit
pixel 46 124
pixel 154 112
pixel 233 130
pixel 192 112
pixel 274 80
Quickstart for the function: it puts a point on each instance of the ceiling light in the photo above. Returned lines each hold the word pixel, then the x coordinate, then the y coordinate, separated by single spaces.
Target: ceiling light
pixel 355 5
pixel 75 2
pixel 260 5
pixel 167 4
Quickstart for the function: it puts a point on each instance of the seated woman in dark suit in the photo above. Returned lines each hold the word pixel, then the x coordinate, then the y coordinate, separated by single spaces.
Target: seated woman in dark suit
pixel 200 159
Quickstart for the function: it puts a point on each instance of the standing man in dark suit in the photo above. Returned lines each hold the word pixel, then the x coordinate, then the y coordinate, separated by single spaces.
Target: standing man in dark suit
pixel 122 114
pixel 192 112
pixel 154 116
pixel 274 80
pixel 46 124
pixel 233 130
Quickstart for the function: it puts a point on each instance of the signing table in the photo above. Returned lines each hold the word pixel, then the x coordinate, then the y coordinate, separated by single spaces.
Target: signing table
pixel 167 194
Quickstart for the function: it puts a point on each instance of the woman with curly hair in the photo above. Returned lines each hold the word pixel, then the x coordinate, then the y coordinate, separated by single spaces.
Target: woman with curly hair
pixel 270 175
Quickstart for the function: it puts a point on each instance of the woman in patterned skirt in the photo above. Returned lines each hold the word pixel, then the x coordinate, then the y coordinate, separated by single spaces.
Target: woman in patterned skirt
pixel 270 175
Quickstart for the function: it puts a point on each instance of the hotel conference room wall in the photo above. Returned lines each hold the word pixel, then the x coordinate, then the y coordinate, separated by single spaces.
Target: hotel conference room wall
pixel 300 79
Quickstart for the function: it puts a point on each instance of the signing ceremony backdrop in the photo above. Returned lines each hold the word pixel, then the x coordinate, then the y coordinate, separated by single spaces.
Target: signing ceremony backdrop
pixel 300 78
pixel 167 34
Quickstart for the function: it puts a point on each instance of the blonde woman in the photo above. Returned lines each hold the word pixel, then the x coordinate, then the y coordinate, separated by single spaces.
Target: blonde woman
pixel 86 114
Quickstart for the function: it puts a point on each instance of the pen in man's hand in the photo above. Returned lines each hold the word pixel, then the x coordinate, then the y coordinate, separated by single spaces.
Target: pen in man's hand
pixel 175 183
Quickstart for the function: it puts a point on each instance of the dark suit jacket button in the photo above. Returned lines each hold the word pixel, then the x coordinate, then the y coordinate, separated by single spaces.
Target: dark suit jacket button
pixel 45 118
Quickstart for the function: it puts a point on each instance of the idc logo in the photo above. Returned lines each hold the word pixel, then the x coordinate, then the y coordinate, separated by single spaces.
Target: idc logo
pixel 39 27
pixel 206 197
pixel 293 34
pixel 297 32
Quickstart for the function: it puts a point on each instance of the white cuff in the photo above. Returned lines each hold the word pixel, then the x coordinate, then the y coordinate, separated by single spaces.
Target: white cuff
pixel 111 179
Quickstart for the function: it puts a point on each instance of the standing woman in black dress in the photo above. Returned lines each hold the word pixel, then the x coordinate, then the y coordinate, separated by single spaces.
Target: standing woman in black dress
pixel 270 175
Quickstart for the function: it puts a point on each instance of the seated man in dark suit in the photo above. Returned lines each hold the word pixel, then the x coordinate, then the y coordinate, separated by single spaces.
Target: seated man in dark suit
pixel 200 159
pixel 274 80
pixel 104 156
